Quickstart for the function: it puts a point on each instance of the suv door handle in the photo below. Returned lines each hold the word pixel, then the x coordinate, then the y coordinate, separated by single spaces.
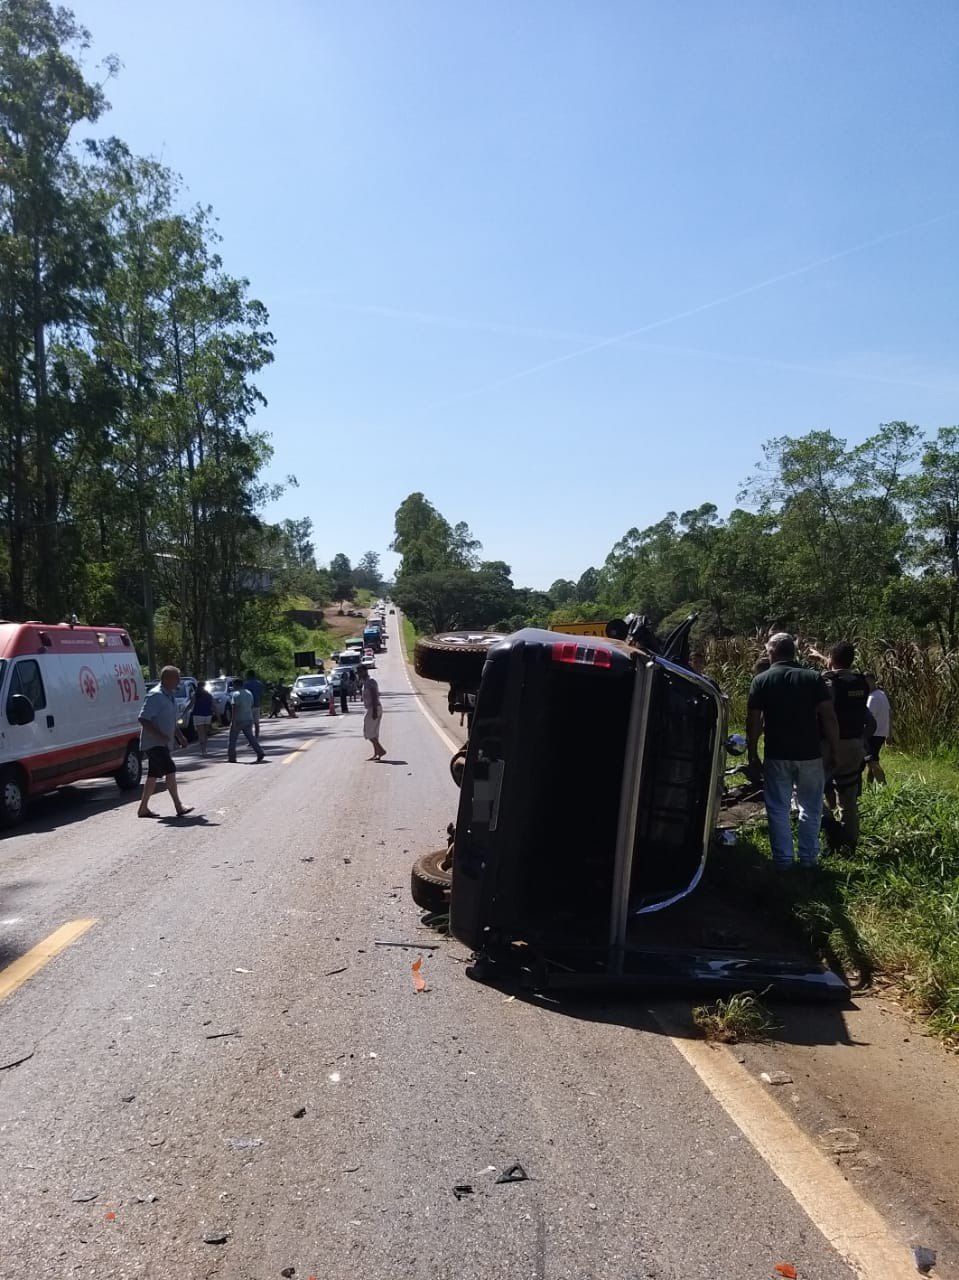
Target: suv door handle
pixel 50 722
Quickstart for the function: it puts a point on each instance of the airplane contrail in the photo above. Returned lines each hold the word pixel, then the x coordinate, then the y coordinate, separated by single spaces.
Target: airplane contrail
pixel 593 341
pixel 621 338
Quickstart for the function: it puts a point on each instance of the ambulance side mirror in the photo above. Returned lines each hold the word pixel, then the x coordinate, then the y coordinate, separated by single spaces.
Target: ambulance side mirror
pixel 20 710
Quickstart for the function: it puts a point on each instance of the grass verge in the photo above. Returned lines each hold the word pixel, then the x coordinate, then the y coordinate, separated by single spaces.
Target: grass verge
pixel 409 638
pixel 741 1017
pixel 891 907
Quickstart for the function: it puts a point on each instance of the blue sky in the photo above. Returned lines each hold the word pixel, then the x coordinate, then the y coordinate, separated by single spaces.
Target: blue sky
pixel 449 208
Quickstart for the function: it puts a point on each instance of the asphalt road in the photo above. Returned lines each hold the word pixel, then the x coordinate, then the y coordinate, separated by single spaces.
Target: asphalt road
pixel 226 1052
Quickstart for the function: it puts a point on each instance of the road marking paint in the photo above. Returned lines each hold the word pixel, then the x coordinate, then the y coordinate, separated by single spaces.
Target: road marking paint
pixel 852 1226
pixel 431 720
pixel 17 973
pixel 305 746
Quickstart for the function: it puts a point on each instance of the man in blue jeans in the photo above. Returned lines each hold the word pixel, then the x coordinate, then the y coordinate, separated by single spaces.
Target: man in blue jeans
pixel 791 708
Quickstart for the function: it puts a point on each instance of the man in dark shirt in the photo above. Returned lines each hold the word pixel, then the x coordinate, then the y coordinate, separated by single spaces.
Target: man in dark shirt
pixel 850 694
pixel 790 706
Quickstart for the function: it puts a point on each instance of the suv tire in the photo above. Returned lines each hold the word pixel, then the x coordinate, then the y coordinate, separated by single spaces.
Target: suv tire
pixel 454 657
pixel 429 883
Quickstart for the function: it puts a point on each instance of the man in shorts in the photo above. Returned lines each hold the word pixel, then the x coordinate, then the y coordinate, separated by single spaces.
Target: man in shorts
pixel 374 712
pixel 159 734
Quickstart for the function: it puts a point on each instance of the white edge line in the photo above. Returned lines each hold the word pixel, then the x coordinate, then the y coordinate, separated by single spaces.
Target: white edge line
pixel 858 1233
pixel 431 720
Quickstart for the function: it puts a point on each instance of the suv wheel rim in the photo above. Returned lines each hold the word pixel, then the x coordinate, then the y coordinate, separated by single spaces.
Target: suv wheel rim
pixel 132 765
pixel 12 799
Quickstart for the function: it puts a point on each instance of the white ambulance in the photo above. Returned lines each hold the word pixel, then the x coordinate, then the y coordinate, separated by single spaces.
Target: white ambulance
pixel 69 700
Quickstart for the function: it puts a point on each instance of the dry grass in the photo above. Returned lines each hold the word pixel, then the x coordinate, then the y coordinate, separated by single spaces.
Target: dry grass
pixel 922 683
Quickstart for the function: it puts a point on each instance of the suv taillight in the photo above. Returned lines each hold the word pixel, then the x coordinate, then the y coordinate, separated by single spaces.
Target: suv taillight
pixel 582 655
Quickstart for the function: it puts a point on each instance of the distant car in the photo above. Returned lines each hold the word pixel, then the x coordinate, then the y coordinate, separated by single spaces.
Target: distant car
pixel 368 662
pixel 221 689
pixel 340 676
pixel 310 691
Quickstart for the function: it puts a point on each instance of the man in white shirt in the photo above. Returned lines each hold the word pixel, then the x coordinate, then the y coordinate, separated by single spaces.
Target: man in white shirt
pixel 878 705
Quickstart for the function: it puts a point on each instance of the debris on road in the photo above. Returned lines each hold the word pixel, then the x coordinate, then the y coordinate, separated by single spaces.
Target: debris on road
pixel 299 1113
pixel 409 946
pixel 84 1197
pixel 128 1097
pixel 241 970
pixel 150 1198
pixel 840 1141
pixel 15 1062
pixel 775 1077
pixel 515 1173
pixel 786 1269
pixel 243 1144
pixel 307 859
pixel 419 982
pixel 331 973
pixel 334 1077
pixel 109 1216
pixel 216 1237
pixel 925 1258
pixel 287 1272
pixel 462 1189
pixel 221 1035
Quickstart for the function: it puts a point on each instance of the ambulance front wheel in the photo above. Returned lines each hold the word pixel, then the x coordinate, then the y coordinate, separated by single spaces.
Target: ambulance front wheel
pixel 12 797
pixel 127 777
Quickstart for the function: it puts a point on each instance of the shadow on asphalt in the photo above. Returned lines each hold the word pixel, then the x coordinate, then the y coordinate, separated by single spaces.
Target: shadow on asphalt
pixel 191 820
pixel 70 804
pixel 797 1024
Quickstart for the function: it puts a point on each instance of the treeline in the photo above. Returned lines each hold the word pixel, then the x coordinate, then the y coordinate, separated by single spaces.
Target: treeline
pixel 836 540
pixel 831 540
pixel 443 584
pixel 131 480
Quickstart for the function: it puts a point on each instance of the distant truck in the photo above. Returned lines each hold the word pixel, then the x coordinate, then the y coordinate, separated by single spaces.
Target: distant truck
pixel 373 638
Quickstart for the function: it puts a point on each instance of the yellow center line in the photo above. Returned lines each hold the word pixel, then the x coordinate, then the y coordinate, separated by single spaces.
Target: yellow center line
pixel 296 751
pixel 16 974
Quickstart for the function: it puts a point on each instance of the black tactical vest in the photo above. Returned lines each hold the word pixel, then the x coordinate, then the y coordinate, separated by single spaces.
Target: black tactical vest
pixel 849 693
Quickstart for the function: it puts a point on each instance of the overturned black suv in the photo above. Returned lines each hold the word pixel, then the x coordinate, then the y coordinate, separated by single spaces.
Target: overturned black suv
pixel 590 787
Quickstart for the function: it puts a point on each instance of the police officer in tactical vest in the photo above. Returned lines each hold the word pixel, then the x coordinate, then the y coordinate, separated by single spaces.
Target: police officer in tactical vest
pixel 850 691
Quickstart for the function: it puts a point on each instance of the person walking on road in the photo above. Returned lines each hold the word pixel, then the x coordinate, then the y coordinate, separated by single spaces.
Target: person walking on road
pixel 878 707
pixel 374 712
pixel 159 734
pixel 344 692
pixel 850 693
pixel 242 722
pixel 202 715
pixel 790 707
pixel 255 686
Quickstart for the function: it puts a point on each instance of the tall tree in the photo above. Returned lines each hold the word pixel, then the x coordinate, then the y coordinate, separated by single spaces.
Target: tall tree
pixel 50 252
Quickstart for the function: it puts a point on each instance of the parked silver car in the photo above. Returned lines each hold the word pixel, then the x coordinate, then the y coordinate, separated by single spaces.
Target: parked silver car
pixel 221 689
